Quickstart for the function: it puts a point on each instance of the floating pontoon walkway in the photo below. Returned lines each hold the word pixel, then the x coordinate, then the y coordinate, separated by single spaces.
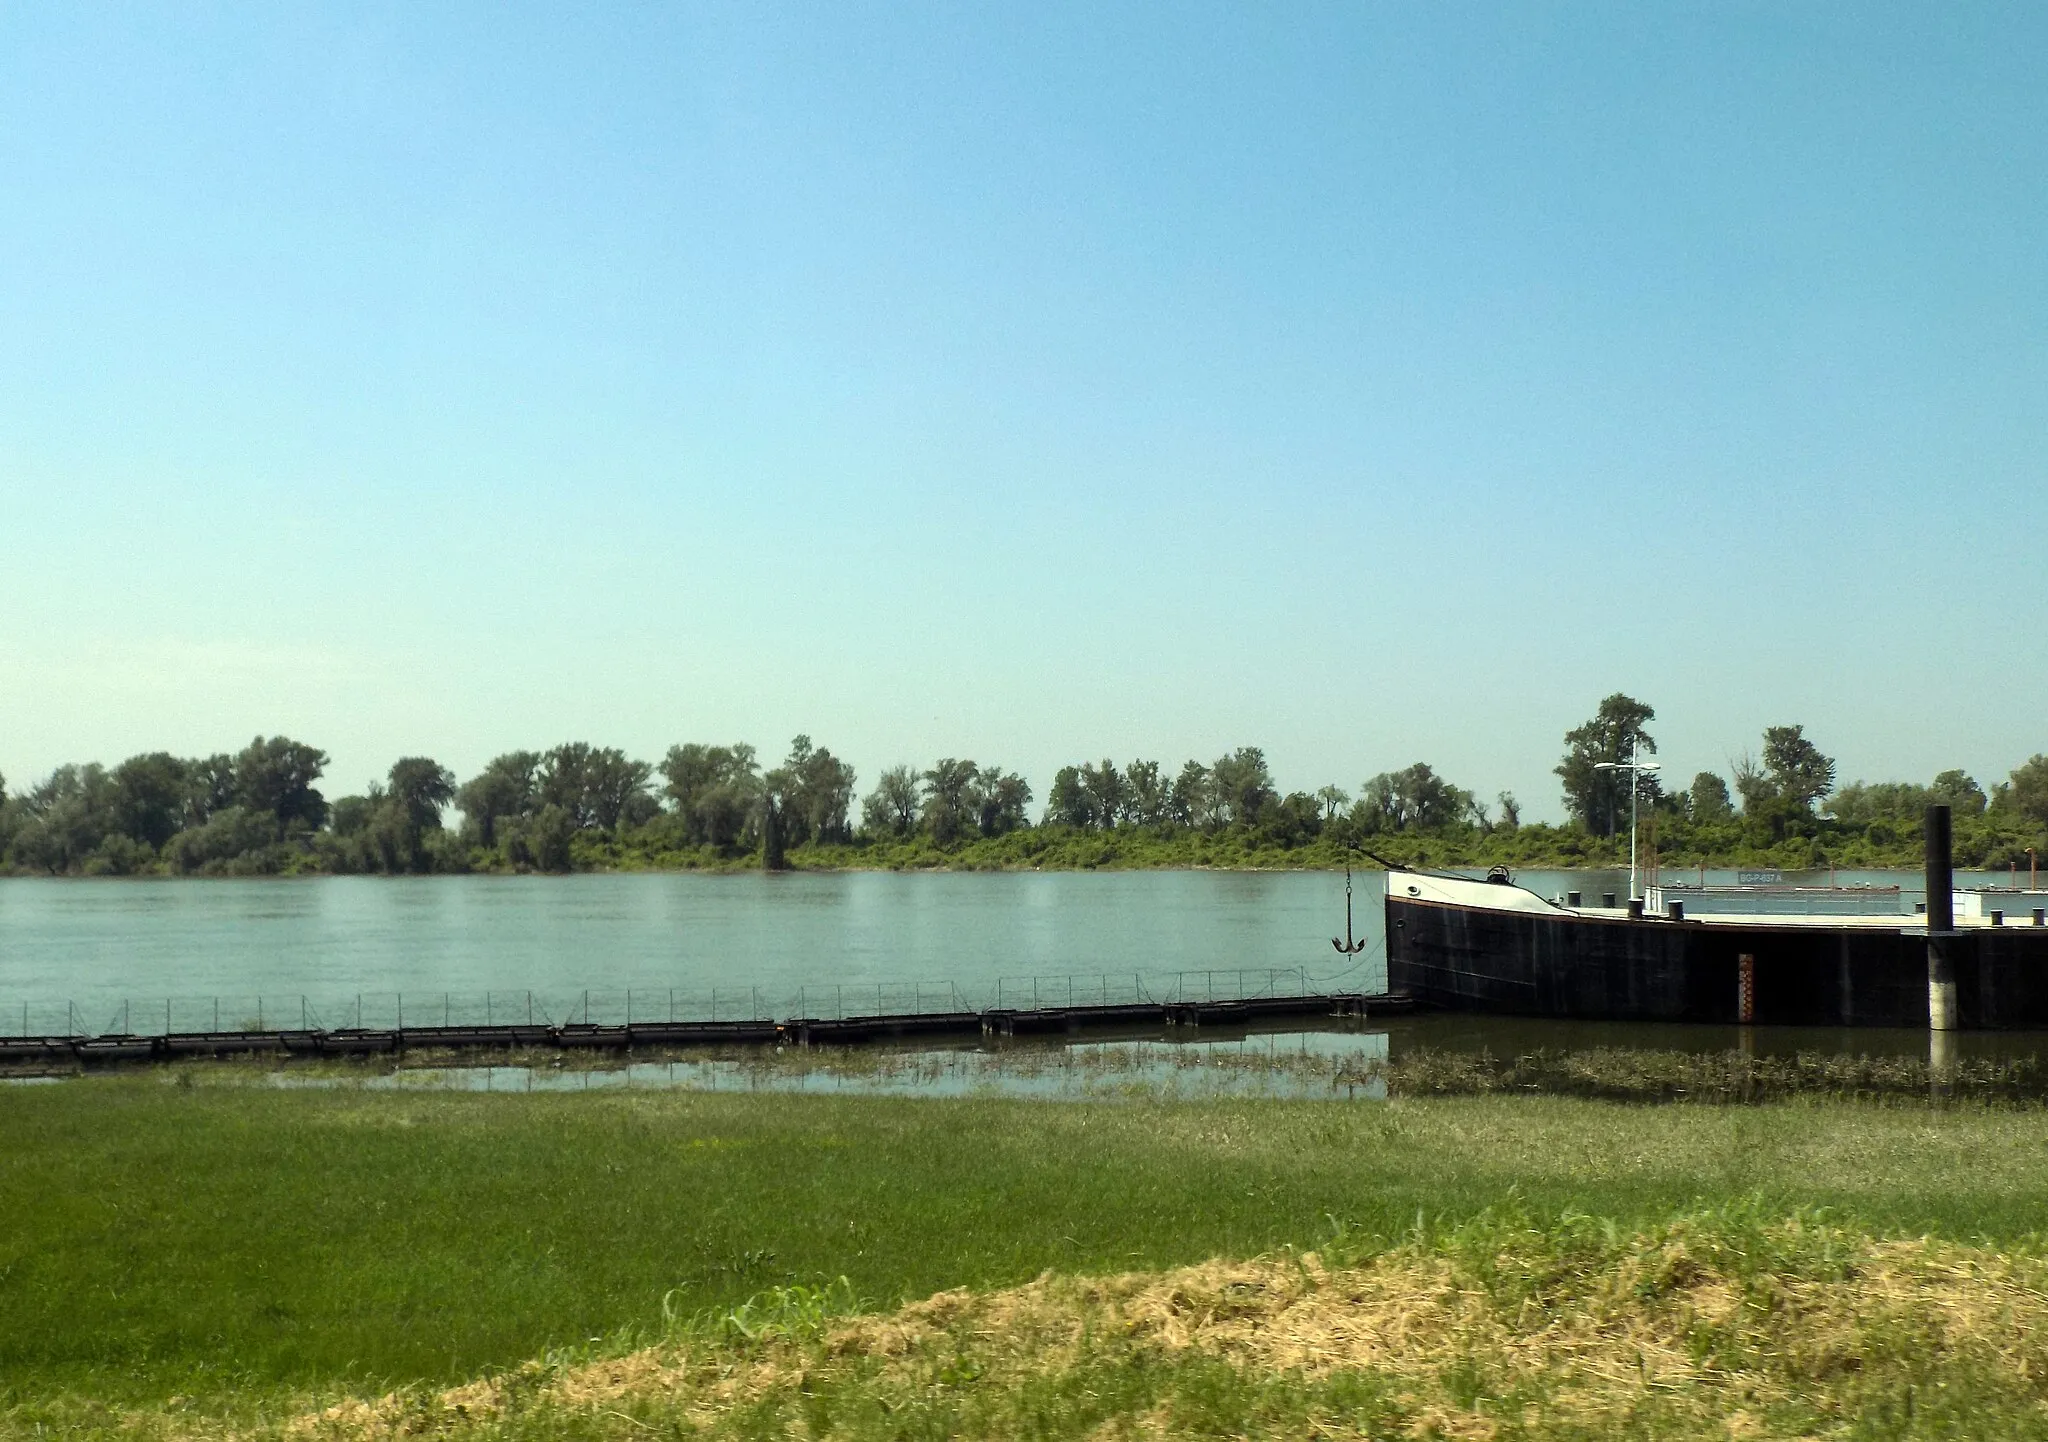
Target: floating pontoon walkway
pixel 1046 1021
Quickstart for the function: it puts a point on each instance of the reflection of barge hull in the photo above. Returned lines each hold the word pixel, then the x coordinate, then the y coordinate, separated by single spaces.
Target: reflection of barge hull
pixel 1470 946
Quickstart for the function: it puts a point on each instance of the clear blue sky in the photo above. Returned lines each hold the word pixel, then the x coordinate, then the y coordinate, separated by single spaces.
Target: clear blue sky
pixel 1372 383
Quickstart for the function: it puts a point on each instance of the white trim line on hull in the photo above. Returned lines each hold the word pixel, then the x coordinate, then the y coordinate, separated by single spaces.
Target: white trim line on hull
pixel 1509 897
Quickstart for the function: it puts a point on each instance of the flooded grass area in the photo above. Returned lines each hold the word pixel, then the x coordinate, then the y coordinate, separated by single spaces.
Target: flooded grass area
pixel 1298 1064
pixel 1295 1065
pixel 1340 1059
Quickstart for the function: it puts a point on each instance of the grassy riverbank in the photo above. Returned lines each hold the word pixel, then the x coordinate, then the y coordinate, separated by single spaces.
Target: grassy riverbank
pixel 1719 1323
pixel 248 1248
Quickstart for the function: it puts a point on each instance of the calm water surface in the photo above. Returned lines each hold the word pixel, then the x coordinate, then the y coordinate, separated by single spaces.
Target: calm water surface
pixel 338 947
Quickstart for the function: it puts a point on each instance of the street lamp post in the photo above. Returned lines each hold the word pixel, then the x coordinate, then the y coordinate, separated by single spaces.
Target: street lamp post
pixel 1634 766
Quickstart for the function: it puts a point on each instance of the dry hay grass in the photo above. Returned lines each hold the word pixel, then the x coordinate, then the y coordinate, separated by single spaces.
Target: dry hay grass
pixel 1703 1330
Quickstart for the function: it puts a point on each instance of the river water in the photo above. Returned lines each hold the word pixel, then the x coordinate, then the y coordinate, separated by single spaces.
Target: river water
pixel 143 954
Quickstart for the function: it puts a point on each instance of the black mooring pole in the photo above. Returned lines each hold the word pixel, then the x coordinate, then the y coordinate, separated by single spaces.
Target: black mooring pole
pixel 1941 922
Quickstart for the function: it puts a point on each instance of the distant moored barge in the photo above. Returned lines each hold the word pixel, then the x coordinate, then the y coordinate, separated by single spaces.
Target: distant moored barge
pixel 1832 957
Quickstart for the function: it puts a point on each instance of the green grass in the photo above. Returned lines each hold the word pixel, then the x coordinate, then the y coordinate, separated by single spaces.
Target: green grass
pixel 232 1240
pixel 1724 1322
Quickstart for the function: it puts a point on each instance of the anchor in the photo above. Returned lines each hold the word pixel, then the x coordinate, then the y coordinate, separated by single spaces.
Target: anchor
pixel 1348 946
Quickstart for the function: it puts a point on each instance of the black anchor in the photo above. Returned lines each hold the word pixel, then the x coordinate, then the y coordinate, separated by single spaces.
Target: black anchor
pixel 1347 946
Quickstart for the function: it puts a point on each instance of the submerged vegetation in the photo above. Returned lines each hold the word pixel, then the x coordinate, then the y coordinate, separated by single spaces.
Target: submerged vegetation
pixel 341 1263
pixel 1151 1069
pixel 580 807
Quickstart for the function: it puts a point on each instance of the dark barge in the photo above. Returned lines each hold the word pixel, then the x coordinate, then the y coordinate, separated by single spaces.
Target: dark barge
pixel 1492 946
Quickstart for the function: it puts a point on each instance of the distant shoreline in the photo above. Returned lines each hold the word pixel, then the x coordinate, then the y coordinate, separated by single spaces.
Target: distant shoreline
pixel 751 866
pixel 582 808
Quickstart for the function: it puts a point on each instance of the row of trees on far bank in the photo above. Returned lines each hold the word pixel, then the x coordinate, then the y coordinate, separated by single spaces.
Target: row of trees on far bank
pixel 577 805
pixel 1785 796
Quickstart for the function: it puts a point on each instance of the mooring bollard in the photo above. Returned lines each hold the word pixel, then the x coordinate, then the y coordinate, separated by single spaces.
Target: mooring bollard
pixel 1941 922
pixel 1941 1063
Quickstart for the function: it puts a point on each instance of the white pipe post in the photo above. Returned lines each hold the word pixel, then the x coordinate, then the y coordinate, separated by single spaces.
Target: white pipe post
pixel 1635 766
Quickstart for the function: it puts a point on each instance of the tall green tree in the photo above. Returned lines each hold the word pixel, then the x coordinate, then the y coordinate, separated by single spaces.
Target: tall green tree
pixel 506 787
pixel 547 838
pixel 1192 802
pixel 1291 820
pixel 1068 803
pixel 1001 801
pixel 598 786
pixel 948 806
pixel 421 786
pixel 1414 798
pixel 209 788
pixel 408 811
pixel 1961 792
pixel 149 797
pixel 69 814
pixel 813 791
pixel 2027 791
pixel 1148 794
pixel 1242 786
pixel 1903 803
pixel 561 780
pixel 615 789
pixel 774 850
pixel 1707 799
pixel 276 775
pixel 1599 800
pixel 1797 772
pixel 1108 792
pixel 350 816
pixel 714 791
pixel 1753 785
pixel 891 808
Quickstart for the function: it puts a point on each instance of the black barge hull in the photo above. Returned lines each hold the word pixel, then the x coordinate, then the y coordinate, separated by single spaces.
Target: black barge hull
pixel 1566 965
